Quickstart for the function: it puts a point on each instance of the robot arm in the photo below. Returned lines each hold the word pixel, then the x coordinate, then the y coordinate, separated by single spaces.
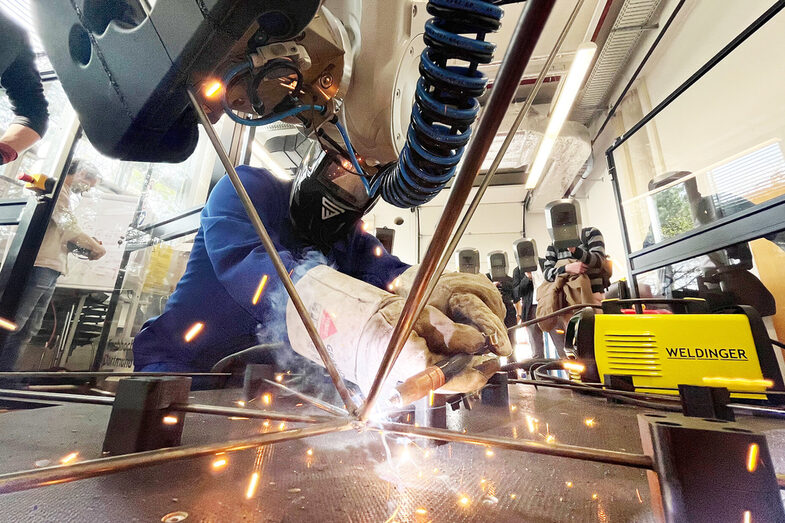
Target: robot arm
pixel 126 68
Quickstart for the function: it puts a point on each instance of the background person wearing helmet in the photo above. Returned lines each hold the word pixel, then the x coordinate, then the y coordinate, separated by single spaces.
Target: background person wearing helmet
pixel 230 297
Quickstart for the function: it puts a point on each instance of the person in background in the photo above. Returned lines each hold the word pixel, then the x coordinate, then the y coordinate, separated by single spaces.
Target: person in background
pixel 526 304
pixel 587 258
pixel 22 83
pixel 62 235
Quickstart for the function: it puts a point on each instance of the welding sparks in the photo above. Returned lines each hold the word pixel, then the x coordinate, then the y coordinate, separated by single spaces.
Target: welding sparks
pixel 259 290
pixel 568 484
pixel 421 512
pixel 266 423
pixel 377 251
pixel 213 89
pixel 169 420
pixel 573 366
pixel 7 325
pixel 550 438
pixel 513 496
pixel 219 463
pixel 195 329
pixel 464 501
pixel 282 426
pixel 309 452
pixel 279 378
pixel 267 398
pixel 240 403
pixel 253 483
pixel 752 457
pixel 531 423
pixel 747 517
pixel 638 493
pixel 489 453
pixel 594 496
pixel 513 408
pixel 366 226
pixel 589 422
pixel 69 458
pixel 430 398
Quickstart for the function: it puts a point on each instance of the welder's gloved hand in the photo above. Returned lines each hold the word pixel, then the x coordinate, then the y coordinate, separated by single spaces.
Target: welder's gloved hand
pixel 472 299
pixel 356 320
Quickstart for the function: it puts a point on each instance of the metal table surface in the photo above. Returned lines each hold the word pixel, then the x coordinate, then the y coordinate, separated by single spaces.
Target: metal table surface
pixel 350 476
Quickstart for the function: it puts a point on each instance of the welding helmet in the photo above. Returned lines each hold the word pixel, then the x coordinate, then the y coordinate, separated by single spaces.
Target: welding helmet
pixel 327 198
pixel 525 250
pixel 468 260
pixel 497 262
pixel 563 220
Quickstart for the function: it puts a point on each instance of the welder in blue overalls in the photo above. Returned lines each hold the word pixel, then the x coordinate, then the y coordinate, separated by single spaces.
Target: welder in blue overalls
pixel 354 292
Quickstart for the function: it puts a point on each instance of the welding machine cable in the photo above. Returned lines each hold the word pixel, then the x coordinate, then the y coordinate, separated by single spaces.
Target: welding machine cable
pixel 356 321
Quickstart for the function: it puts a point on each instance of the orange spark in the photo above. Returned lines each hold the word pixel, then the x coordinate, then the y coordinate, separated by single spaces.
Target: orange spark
pixel 464 500
pixel 589 422
pixel 282 426
pixel 573 366
pixel 240 403
pixel 568 483
pixel 309 452
pixel 267 398
pixel 747 517
pixel 489 453
pixel 259 290
pixel 752 457
pixel 253 483
pixel 69 458
pixel 377 251
pixel 7 325
pixel 170 420
pixel 279 378
pixel 195 329
pixel 219 463
pixel 213 89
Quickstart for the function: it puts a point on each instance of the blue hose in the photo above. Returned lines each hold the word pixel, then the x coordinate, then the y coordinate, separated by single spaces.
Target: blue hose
pixel 445 100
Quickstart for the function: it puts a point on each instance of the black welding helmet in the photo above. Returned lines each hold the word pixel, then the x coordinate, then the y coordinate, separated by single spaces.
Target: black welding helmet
pixel 525 250
pixel 328 198
pixel 468 260
pixel 497 263
pixel 563 220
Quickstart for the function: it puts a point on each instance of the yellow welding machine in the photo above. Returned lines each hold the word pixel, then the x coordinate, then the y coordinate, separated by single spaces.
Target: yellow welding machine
pixel 660 349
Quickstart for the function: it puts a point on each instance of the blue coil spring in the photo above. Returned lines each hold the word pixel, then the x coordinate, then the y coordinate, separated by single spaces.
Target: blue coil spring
pixel 445 100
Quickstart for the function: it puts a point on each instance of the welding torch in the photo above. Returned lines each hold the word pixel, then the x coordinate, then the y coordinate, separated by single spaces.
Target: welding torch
pixel 435 376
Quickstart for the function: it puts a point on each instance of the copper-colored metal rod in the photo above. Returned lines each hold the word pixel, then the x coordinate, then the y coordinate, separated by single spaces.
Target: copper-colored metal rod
pixel 332 409
pixel 554 314
pixel 269 246
pixel 178 407
pixel 248 413
pixel 29 479
pixel 527 33
pixel 456 238
pixel 59 397
pixel 612 457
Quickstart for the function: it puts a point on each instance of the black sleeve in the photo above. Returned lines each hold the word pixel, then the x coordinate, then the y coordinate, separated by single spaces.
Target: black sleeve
pixel 21 80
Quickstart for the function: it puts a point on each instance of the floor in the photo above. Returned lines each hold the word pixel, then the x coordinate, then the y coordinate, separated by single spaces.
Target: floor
pixel 351 476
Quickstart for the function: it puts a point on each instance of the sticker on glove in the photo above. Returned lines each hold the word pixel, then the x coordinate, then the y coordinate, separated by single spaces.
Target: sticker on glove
pixel 326 326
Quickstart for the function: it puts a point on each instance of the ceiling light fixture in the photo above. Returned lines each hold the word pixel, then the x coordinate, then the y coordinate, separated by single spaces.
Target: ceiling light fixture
pixel 564 100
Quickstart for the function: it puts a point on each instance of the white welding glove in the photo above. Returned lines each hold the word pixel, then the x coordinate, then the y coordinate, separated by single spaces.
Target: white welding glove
pixel 472 299
pixel 356 321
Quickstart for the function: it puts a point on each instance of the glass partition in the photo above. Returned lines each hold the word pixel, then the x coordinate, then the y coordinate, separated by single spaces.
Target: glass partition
pixel 714 151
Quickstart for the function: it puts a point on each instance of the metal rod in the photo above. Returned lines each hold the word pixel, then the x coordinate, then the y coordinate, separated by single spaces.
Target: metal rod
pixel 247 413
pixel 638 70
pixel 456 238
pixel 269 246
pixel 180 407
pixel 705 68
pixel 68 374
pixel 56 396
pixel 29 479
pixel 527 33
pixel 612 457
pixel 332 409
pixel 559 312
pixel 758 411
